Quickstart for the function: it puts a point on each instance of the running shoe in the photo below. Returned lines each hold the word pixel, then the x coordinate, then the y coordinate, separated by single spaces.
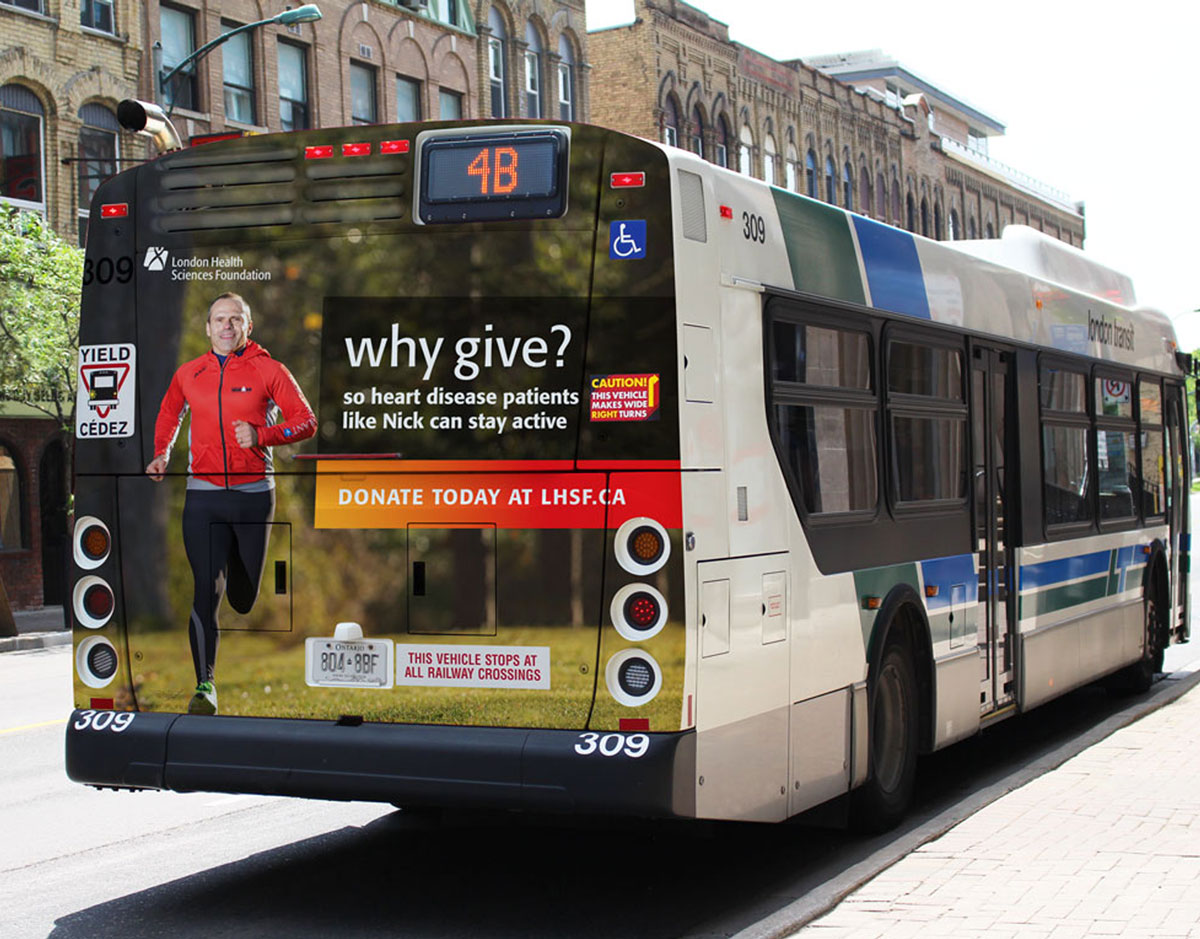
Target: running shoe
pixel 204 701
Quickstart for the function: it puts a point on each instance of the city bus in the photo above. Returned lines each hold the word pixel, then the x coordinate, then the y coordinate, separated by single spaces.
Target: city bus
pixel 602 480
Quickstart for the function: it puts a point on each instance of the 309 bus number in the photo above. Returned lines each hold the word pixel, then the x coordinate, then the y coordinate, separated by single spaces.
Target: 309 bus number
pixel 104 720
pixel 633 746
pixel 105 270
pixel 754 228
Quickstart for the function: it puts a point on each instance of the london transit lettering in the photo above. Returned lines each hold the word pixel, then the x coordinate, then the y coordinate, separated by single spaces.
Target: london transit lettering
pixel 1110 333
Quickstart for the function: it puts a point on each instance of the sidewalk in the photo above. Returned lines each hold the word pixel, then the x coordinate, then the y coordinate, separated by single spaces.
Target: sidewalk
pixel 1108 844
pixel 37 629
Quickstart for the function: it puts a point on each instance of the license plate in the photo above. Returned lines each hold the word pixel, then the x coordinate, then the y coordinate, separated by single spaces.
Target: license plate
pixel 348 663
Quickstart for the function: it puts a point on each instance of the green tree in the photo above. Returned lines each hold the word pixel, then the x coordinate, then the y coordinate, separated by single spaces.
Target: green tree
pixel 40 279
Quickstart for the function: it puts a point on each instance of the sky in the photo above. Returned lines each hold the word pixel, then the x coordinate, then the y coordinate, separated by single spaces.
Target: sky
pixel 1097 99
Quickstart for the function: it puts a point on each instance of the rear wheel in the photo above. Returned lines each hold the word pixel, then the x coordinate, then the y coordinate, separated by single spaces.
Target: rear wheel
pixel 882 801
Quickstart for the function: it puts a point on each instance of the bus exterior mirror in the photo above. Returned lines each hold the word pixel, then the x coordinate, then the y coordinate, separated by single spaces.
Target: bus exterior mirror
pixel 145 117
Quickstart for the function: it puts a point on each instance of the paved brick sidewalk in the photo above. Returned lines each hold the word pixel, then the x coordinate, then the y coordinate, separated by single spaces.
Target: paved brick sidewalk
pixel 1108 844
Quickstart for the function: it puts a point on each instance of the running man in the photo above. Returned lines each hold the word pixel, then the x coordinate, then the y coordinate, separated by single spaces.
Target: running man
pixel 233 392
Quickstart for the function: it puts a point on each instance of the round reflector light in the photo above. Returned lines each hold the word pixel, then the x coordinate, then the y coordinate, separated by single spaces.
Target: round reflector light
pixel 642 546
pixel 96 661
pixel 98 601
pixel 92 543
pixel 633 677
pixel 638 611
pixel 92 601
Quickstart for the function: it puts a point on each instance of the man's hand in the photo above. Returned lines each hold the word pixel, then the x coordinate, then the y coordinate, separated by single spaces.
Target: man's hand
pixel 156 467
pixel 245 434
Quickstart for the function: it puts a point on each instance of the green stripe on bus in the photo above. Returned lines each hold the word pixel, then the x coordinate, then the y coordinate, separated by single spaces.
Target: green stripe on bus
pixel 820 248
pixel 1060 598
pixel 878 582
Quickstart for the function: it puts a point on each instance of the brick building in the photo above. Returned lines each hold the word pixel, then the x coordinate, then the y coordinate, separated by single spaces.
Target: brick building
pixel 857 130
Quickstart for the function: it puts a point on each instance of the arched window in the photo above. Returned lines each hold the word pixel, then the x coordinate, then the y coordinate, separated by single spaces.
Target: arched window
pixel 792 168
pixel 533 71
pixel 810 175
pixel 831 181
pixel 895 191
pixel 937 221
pixel 497 62
pixel 910 213
pixel 670 131
pixel 12 502
pixel 745 151
pixel 98 142
pixel 21 169
pixel 696 136
pixel 769 158
pixel 865 195
pixel 566 80
pixel 721 145
pixel 924 216
pixel 972 232
pixel 848 186
pixel 881 195
pixel 955 232
pixel 989 231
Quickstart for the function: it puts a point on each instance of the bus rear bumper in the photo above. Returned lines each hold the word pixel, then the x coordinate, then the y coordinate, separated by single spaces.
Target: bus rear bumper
pixel 407 764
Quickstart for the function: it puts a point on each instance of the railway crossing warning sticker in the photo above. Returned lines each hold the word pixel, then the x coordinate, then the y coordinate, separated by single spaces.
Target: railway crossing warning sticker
pixel 625 397
pixel 105 404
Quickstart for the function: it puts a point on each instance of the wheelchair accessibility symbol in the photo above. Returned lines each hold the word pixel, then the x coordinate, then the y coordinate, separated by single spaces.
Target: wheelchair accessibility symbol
pixel 627 240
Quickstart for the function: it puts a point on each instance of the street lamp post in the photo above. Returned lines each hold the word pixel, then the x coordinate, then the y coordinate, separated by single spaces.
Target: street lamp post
pixel 305 14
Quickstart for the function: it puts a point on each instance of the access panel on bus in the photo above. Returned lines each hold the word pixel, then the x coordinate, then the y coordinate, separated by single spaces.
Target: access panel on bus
pixel 492 391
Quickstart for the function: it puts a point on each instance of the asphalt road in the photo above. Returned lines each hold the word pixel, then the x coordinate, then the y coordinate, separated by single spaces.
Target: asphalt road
pixel 76 862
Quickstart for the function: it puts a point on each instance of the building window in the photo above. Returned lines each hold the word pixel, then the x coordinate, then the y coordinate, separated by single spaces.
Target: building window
pixel 33 6
pixel 831 182
pixel 566 80
pixel 881 196
pixel 745 151
pixel 955 230
pixel 721 146
pixel 791 168
pixel 895 190
pixel 293 87
pixel 848 186
pixel 97 157
pixel 497 53
pixel 11 502
pixel 363 107
pixel 178 30
pixel 96 14
pixel 239 76
pixel 408 99
pixel 450 105
pixel 670 130
pixel 533 72
pixel 21 170
pixel 769 158
pixel 810 175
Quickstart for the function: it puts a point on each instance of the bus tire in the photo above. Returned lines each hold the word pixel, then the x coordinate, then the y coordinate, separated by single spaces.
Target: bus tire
pixel 882 801
pixel 1138 677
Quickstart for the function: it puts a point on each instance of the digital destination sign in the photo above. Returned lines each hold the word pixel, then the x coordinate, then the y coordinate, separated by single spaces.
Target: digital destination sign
pixel 489 177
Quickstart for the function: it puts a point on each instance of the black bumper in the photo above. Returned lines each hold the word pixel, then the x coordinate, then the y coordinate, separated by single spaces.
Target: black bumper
pixel 492 767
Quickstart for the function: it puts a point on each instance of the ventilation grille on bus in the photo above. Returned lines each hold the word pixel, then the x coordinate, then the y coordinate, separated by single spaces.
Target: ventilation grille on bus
pixel 269 187
pixel 691 203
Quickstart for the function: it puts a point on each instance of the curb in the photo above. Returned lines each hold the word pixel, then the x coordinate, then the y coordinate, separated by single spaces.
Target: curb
pixel 822 899
pixel 35 641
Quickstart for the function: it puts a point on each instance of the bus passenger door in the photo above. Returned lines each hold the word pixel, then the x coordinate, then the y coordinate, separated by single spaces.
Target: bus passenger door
pixel 1177 515
pixel 991 393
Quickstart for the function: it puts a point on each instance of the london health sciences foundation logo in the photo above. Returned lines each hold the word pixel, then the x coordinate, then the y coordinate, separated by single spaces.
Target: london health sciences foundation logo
pixel 155 259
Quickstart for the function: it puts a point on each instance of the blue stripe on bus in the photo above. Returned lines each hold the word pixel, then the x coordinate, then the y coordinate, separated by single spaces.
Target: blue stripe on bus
pixel 1056 572
pixel 946 574
pixel 893 268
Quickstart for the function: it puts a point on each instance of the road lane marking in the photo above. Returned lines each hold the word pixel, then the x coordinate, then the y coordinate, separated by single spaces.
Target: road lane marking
pixel 13 730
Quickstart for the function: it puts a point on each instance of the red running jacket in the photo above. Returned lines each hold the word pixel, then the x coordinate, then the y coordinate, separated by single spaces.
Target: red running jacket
pixel 243 389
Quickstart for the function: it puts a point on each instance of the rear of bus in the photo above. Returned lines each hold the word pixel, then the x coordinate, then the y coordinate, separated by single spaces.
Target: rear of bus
pixel 471 588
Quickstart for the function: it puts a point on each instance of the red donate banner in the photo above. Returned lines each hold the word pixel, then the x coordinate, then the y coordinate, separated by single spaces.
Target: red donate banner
pixel 377 494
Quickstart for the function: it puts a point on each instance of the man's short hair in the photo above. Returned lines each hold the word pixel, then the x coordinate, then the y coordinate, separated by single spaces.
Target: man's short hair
pixel 230 295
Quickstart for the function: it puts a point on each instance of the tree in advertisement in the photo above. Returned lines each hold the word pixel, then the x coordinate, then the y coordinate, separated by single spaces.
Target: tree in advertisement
pixel 40 277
